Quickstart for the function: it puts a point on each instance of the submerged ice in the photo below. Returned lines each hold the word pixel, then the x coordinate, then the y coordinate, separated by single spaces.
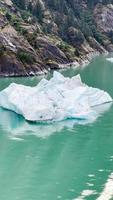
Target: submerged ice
pixel 54 100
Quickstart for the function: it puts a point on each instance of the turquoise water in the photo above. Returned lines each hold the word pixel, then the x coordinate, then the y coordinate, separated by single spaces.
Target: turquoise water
pixel 62 160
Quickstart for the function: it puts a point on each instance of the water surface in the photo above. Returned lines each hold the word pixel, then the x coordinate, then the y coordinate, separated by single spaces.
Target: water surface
pixel 64 160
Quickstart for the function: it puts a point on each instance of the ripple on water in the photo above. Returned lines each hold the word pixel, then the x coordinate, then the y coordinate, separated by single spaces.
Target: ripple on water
pixel 91 175
pixel 101 170
pixel 90 184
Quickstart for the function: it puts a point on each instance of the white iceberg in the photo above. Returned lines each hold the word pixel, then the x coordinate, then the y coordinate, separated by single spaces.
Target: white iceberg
pixel 110 59
pixel 54 100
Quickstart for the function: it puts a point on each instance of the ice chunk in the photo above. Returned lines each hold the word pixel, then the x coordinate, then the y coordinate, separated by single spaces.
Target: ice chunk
pixel 110 59
pixel 54 100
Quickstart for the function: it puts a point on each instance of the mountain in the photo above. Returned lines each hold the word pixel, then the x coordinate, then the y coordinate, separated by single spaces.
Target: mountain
pixel 39 35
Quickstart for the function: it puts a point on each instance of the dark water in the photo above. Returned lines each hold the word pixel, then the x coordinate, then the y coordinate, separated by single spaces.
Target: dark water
pixel 63 160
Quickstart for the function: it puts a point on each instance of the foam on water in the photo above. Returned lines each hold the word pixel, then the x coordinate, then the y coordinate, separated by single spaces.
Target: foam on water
pixel 54 100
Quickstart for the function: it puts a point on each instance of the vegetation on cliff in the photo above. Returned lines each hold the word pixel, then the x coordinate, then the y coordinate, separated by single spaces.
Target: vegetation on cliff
pixel 37 35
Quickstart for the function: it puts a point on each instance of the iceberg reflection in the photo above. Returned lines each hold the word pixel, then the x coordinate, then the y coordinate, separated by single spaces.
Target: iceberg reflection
pixel 17 127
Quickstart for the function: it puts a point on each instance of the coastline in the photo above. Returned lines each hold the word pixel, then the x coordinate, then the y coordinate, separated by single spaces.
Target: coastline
pixel 75 64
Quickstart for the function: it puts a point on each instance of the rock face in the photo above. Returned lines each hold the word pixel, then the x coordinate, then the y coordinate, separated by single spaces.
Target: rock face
pixel 104 21
pixel 39 35
pixel 54 100
pixel 104 17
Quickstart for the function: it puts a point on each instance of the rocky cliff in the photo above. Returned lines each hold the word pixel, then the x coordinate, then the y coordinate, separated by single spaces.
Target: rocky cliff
pixel 39 35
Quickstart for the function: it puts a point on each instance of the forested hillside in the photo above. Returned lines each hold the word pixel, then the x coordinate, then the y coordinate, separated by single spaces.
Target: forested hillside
pixel 39 35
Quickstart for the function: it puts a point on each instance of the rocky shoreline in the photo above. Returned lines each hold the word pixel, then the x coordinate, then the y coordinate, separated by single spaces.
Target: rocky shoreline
pixel 75 65
pixel 29 48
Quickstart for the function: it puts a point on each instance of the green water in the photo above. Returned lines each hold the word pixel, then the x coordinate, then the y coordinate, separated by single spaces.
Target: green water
pixel 62 160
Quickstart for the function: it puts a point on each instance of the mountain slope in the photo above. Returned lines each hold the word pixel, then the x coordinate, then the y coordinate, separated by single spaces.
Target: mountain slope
pixel 39 35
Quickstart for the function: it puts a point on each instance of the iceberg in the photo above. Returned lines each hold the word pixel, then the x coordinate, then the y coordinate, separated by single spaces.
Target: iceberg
pixel 56 99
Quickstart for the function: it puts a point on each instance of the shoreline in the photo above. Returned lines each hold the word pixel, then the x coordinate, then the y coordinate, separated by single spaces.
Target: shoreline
pixel 83 62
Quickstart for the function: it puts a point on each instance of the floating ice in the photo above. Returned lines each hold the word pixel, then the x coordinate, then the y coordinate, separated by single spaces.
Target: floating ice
pixel 107 192
pixel 85 193
pixel 110 59
pixel 54 100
